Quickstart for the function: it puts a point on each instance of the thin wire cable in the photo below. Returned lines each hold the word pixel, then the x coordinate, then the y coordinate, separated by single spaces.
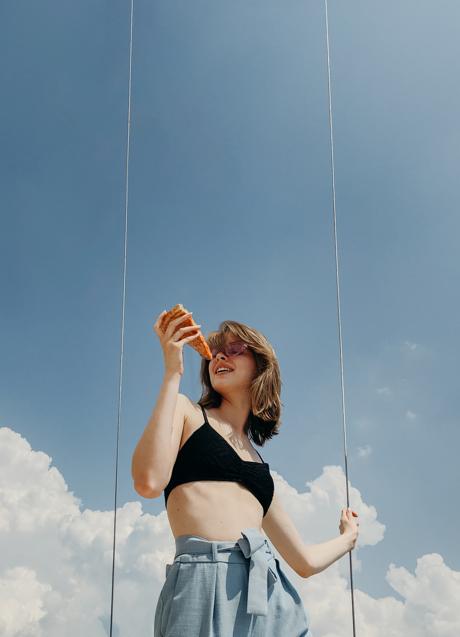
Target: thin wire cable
pixel 120 385
pixel 338 306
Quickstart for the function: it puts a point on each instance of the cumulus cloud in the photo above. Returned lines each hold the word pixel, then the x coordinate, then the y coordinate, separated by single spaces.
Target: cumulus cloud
pixel 56 561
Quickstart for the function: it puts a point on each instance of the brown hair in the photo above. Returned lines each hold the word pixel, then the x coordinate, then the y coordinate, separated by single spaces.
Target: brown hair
pixel 264 417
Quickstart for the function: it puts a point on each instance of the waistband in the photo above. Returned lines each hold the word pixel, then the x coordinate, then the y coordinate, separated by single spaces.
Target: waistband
pixel 253 546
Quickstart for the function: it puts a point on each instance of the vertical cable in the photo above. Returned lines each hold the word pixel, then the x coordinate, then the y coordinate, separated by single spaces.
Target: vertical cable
pixel 338 306
pixel 122 330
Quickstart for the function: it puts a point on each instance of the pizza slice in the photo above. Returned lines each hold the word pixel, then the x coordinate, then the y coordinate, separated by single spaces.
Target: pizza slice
pixel 199 343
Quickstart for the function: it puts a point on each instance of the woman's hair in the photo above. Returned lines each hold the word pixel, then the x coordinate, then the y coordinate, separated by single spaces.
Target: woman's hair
pixel 264 417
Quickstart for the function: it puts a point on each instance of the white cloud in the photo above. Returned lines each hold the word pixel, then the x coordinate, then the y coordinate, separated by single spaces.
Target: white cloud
pixel 410 345
pixel 56 560
pixel 416 351
pixel 364 452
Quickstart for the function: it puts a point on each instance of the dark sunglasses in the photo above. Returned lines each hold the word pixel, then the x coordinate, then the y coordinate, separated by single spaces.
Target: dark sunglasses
pixel 232 349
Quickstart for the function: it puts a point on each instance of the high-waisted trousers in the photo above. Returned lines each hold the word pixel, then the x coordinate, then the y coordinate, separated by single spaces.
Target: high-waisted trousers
pixel 228 589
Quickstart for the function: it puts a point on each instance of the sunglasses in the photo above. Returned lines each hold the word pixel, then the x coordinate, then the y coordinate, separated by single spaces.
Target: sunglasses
pixel 232 349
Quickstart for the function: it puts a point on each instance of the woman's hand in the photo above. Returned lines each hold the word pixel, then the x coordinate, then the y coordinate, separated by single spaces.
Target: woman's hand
pixel 348 525
pixel 172 342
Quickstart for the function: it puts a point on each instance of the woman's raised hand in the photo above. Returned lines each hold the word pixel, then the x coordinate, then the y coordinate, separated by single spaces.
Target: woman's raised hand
pixel 348 525
pixel 173 340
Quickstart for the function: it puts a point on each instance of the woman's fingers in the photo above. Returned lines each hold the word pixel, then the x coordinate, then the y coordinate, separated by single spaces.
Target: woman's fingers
pixel 346 511
pixel 156 325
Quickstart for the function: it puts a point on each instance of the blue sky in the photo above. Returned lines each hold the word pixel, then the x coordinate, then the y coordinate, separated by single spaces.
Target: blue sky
pixel 230 213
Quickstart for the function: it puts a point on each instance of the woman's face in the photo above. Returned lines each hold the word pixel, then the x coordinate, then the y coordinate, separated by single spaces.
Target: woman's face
pixel 243 369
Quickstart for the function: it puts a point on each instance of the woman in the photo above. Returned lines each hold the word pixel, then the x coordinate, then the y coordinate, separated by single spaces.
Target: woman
pixel 225 580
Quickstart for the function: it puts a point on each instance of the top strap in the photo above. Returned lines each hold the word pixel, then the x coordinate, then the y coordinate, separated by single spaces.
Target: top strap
pixel 204 414
pixel 259 455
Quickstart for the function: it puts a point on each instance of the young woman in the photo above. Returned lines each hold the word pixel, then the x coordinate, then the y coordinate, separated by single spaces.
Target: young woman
pixel 225 580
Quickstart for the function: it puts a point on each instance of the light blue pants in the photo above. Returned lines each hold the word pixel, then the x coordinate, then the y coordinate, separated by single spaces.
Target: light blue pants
pixel 228 589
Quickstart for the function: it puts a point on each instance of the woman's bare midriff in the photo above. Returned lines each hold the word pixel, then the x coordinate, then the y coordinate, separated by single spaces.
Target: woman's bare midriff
pixel 214 510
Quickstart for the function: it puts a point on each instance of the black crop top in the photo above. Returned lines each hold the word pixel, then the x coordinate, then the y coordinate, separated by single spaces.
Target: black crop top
pixel 206 455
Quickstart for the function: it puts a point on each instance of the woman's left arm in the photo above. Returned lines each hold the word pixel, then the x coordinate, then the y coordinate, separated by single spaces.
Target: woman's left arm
pixel 320 556
pixel 307 559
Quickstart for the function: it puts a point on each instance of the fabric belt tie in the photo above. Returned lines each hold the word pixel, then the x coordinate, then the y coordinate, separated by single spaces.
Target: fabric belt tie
pixel 253 546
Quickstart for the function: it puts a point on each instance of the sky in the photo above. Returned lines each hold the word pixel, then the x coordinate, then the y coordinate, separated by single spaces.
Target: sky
pixel 230 214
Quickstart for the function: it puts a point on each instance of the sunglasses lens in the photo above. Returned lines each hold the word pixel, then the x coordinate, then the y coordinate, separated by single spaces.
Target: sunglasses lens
pixel 236 348
pixel 233 349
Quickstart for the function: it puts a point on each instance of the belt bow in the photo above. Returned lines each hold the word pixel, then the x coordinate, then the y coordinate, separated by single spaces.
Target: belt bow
pixel 253 545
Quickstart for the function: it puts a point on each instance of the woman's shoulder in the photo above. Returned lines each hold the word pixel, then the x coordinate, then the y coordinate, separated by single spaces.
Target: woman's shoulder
pixel 190 406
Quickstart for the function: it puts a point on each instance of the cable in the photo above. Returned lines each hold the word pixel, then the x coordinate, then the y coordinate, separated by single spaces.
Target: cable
pixel 338 305
pixel 122 329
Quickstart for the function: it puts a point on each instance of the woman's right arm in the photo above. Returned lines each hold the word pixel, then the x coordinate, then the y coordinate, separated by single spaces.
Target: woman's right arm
pixel 151 462
pixel 157 449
